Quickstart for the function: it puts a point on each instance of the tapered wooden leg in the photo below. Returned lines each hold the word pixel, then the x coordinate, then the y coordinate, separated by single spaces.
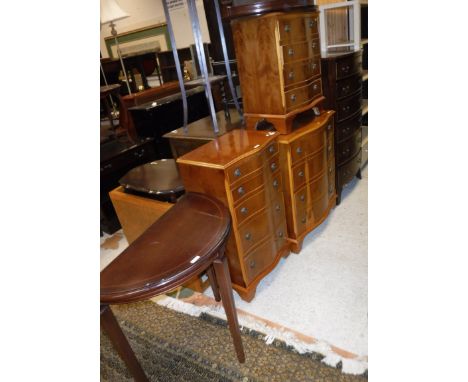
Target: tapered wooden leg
pixel 359 175
pixel 225 289
pixel 112 328
pixel 213 283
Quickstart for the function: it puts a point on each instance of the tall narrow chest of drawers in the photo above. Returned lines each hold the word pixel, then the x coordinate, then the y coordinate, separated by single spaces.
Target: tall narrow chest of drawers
pixel 342 82
pixel 308 169
pixel 278 59
pixel 242 169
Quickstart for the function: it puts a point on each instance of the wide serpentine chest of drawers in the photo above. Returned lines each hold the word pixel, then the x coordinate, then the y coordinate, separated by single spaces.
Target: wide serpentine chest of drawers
pixel 278 59
pixel 308 169
pixel 242 169
pixel 342 82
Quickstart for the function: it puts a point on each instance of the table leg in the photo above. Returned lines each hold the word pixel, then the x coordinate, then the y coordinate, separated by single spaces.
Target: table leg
pixel 213 283
pixel 111 326
pixel 225 289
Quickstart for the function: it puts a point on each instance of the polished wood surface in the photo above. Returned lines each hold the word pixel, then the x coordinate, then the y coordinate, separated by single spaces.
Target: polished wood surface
pixel 284 79
pixel 242 169
pixel 233 9
pixel 159 261
pixel 342 82
pixel 137 213
pixel 307 159
pixel 201 132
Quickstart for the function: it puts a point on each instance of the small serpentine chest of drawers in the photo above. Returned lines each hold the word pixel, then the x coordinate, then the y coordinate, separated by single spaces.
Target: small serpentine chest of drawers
pixel 308 169
pixel 242 169
pixel 278 59
pixel 342 82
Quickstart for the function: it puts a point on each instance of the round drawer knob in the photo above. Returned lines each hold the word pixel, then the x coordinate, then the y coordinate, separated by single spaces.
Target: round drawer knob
pixel 291 75
pixel 329 148
pixel 237 172
pixel 244 210
pixel 271 149
pixel 241 190
pixel 303 220
pixel 302 197
pixel 287 28
pixel 291 51
pixel 248 236
pixel 329 127
pixel 280 233
pixel 273 166
pixel 330 189
pixel 315 87
pixel 301 174
pixel 275 183
pixel 299 150
pixel 252 263
pixel 311 23
pixel 277 207
pixel 293 97
pixel 330 170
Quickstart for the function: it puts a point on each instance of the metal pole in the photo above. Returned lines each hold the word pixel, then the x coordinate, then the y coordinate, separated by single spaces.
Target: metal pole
pixel 202 60
pixel 114 33
pixel 177 63
pixel 226 60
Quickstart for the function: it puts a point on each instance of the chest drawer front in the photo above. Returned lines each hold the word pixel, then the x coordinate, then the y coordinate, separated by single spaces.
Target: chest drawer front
pixel 307 144
pixel 244 189
pixel 348 86
pixel 318 210
pixel 301 200
pixel 281 233
pixel 300 96
pixel 346 128
pixel 318 188
pixel 254 230
pixel 347 172
pixel 349 147
pixel 347 66
pixel 291 29
pixel 250 206
pixel 299 175
pixel 311 25
pixel 259 259
pixel 277 210
pixel 301 51
pixel 348 107
pixel 271 150
pixel 301 71
pixel 242 168
pixel 316 164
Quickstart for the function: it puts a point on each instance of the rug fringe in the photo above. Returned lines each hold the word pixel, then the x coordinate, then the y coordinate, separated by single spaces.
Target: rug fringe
pixel 355 366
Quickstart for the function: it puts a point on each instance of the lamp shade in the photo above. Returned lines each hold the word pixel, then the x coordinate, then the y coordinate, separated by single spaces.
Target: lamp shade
pixel 110 11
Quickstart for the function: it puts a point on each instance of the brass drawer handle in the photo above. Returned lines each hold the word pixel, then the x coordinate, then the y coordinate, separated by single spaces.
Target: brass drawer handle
pixel 330 170
pixel 248 236
pixel 271 149
pixel 140 153
pixel 314 66
pixel 303 220
pixel 302 197
pixel 330 189
pixel 329 148
pixel 280 233
pixel 244 210
pixel 291 75
pixel 241 190
pixel 237 172
pixel 291 52
pixel 293 97
pixel 345 88
pixel 273 166
pixel 315 86
pixel 345 68
pixel 252 263
pixel 311 23
pixel 314 45
pixel 346 108
pixel 277 207
pixel 299 150
pixel 287 28
pixel 275 183
pixel 329 127
pixel 301 174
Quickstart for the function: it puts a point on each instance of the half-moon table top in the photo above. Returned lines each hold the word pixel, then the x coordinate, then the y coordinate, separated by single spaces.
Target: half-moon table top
pixel 178 246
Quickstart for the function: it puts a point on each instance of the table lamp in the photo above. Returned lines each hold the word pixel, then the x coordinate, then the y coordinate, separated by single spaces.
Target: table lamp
pixel 110 12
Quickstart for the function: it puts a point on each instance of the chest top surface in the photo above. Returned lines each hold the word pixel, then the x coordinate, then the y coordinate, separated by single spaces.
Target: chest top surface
pixel 229 148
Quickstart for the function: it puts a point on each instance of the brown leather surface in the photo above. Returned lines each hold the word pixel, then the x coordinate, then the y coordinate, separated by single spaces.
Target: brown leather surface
pixel 165 255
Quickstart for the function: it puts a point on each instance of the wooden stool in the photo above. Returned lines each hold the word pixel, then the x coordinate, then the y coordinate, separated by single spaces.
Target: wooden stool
pixel 187 240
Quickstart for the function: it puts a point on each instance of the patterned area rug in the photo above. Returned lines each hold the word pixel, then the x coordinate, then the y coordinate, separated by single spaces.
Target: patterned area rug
pixel 172 346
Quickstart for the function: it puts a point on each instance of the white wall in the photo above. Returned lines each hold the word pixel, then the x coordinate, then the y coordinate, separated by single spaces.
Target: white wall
pixel 144 13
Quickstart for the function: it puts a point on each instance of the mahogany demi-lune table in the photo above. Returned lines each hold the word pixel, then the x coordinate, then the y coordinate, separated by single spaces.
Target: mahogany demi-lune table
pixel 187 240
